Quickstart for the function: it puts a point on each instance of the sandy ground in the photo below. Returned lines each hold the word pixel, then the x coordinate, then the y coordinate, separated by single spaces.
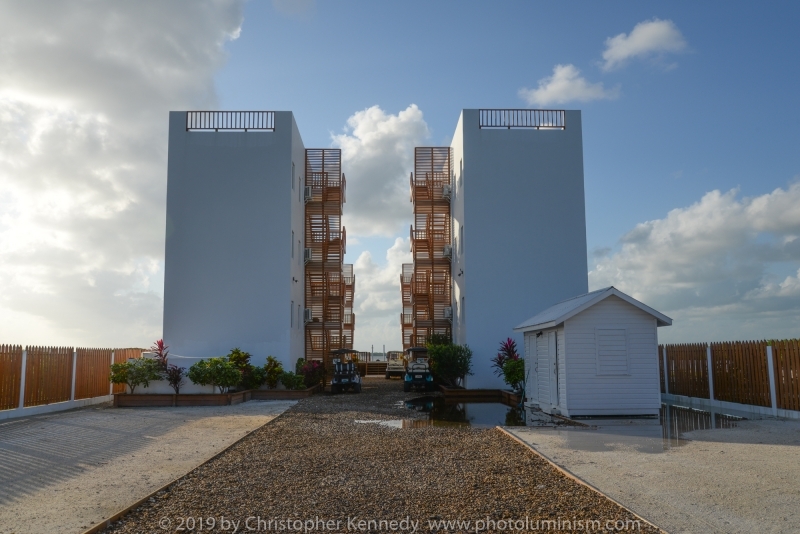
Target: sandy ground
pixel 65 472
pixel 743 479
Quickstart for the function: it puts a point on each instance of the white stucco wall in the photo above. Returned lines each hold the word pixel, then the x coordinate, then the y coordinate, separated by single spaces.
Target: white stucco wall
pixel 520 198
pixel 231 210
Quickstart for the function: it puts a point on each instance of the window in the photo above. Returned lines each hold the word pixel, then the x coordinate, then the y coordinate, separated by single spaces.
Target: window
pixel 293 243
pixel 463 315
pixel 291 314
pixel 461 240
pixel 299 256
pixel 293 176
pixel 299 322
pixel 612 351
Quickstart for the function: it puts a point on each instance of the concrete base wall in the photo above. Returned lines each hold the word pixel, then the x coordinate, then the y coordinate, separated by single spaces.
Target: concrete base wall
pixel 720 406
pixel 55 407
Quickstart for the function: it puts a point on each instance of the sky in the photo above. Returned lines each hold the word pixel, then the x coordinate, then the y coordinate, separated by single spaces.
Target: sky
pixel 691 135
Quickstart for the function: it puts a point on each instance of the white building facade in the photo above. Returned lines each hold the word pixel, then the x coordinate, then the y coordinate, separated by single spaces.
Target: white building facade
pixel 234 271
pixel 518 223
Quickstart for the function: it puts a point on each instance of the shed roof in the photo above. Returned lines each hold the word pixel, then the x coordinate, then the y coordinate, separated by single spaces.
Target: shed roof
pixel 557 314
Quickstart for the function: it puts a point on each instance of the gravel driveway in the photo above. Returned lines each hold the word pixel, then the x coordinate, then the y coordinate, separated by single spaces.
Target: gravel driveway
pixel 316 463
pixel 65 472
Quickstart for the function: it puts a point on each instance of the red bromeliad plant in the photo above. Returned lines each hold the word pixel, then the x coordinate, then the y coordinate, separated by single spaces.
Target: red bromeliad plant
pixel 508 351
pixel 162 353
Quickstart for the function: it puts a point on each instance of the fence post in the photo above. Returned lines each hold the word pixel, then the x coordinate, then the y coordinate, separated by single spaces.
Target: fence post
pixel 710 373
pixel 110 383
pixel 74 367
pixel 772 391
pixel 666 376
pixel 22 378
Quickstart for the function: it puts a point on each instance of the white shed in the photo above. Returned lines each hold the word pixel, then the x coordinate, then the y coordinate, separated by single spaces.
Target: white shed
pixel 594 355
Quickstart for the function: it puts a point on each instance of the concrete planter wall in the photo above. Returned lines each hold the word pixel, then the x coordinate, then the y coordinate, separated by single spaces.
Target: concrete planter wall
pixel 128 400
pixel 480 395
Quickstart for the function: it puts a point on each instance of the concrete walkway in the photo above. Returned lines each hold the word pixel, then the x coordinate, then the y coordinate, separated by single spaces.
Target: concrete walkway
pixel 64 472
pixel 742 479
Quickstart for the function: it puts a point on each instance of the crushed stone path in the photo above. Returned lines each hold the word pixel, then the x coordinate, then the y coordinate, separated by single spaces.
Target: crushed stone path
pixel 315 463
pixel 65 472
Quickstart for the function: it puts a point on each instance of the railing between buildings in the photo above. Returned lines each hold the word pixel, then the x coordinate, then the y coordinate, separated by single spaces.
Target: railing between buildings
pixel 523 118
pixel 756 373
pixel 230 120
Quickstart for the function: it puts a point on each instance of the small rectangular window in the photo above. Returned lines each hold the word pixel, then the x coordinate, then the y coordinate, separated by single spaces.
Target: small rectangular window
pixel 293 243
pixel 293 176
pixel 291 314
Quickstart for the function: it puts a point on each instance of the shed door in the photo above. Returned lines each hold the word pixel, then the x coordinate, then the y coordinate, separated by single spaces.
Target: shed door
pixel 552 349
pixel 542 366
pixel 531 367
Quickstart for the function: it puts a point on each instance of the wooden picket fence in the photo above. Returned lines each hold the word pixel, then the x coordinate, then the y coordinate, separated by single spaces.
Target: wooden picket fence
pixel 786 357
pixel 48 373
pixel 739 371
pixel 688 370
pixel 10 375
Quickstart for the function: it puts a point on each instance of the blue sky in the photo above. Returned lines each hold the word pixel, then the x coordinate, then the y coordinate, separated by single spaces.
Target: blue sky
pixel 718 116
pixel 691 141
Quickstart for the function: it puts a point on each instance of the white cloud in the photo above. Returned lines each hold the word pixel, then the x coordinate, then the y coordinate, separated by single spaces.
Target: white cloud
pixel 648 38
pixel 84 101
pixel 713 266
pixel 377 157
pixel 566 85
pixel 377 298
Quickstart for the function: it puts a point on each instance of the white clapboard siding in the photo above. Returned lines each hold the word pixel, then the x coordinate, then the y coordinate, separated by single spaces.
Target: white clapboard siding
pixel 562 370
pixel 543 364
pixel 626 382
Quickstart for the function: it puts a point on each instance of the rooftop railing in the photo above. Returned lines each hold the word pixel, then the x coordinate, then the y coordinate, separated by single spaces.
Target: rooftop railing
pixel 230 120
pixel 523 118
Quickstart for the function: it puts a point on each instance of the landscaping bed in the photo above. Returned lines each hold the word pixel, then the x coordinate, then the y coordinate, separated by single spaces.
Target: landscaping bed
pixel 323 459
pixel 133 400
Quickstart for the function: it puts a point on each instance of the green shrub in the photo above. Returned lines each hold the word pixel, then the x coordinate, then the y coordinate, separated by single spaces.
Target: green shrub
pixel 216 372
pixel 273 370
pixel 251 376
pixel 449 363
pixel 138 372
pixel 514 374
pixel 293 381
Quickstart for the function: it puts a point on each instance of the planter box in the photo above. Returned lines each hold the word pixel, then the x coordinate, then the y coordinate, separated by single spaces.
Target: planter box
pixel 283 394
pixel 480 395
pixel 127 400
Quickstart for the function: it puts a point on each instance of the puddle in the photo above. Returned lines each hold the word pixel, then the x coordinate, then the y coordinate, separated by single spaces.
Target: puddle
pixel 475 414
pixel 649 435
pixel 676 421
pixel 454 414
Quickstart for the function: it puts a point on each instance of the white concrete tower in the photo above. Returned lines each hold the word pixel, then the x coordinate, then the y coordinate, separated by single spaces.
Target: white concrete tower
pixel 519 224
pixel 234 240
